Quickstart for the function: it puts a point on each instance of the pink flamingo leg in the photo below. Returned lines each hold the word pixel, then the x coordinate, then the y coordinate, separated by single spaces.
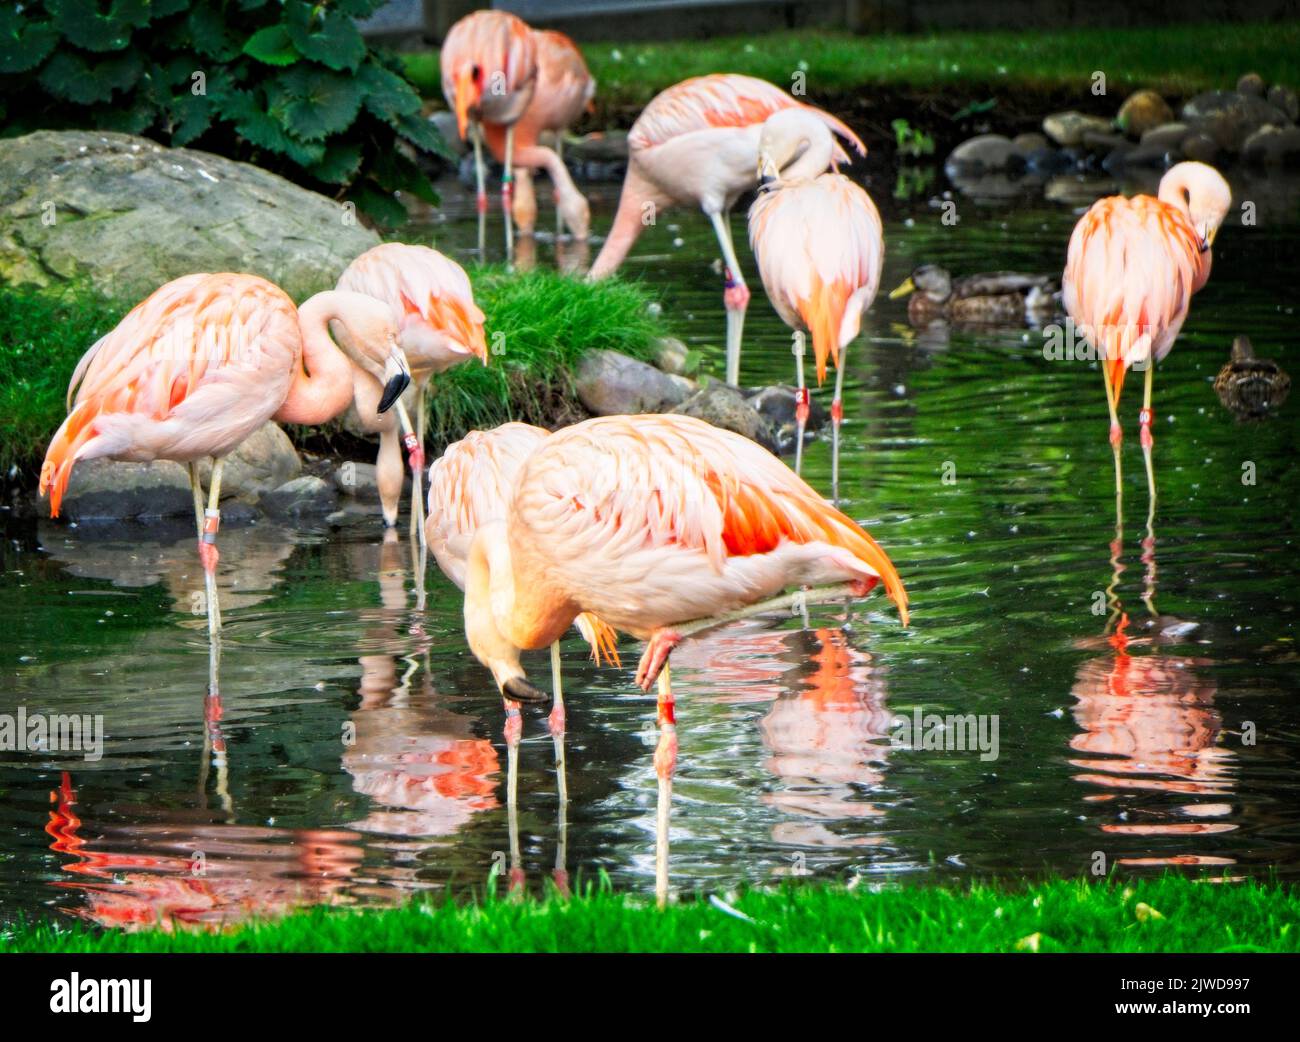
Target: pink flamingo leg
pixel 665 767
pixel 802 401
pixel 513 732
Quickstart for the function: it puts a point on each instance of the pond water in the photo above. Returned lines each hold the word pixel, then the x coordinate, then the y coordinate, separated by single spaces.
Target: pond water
pixel 358 754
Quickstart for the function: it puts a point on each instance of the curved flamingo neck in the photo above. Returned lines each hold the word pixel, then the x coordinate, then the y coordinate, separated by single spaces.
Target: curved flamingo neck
pixel 634 212
pixel 816 158
pixel 322 384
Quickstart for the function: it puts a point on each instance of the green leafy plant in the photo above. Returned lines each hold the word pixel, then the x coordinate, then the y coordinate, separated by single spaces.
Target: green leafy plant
pixel 910 141
pixel 286 84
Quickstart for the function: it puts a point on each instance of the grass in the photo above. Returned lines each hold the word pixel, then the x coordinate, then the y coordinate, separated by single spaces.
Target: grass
pixel 1166 914
pixel 541 323
pixel 1175 59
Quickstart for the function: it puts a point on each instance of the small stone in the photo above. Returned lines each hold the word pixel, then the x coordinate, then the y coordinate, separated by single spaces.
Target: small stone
pixel 1167 135
pixel 1285 101
pixel 612 384
pixel 671 355
pixel 1251 83
pixel 1202 148
pixel 446 123
pixel 1103 142
pixel 307 496
pixel 1141 111
pixel 1027 144
pixel 725 406
pixel 776 404
pixel 1067 128
pixel 356 480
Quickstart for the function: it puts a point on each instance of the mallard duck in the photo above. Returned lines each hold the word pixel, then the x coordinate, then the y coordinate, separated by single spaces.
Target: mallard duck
pixel 992 298
pixel 1249 387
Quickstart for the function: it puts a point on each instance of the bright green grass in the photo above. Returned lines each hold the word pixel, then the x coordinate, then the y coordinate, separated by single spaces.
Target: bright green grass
pixel 1178 59
pixel 1169 914
pixel 541 323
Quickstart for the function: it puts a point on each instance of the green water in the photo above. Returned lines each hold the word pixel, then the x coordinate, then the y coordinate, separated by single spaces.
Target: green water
pixel 358 756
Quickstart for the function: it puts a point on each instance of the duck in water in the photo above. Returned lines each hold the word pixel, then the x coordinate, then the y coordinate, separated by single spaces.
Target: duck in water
pixel 995 298
pixel 1249 387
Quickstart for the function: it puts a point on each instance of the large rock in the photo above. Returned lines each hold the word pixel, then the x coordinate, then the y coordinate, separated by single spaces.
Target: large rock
pixel 983 154
pixel 776 404
pixel 612 384
pixel 102 490
pixel 724 406
pixel 1230 117
pixel 1141 111
pixel 1067 128
pixel 266 460
pixel 1285 101
pixel 1273 146
pixel 129 215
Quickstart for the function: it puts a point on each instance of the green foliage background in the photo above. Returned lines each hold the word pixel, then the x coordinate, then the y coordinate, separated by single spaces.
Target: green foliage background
pixel 285 84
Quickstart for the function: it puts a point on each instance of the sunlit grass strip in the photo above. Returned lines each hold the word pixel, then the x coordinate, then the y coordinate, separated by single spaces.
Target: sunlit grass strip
pixel 538 326
pixel 1169 914
pixel 1179 59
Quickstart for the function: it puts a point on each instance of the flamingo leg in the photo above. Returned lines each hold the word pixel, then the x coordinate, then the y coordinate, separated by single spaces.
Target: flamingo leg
pixel 556 721
pixel 665 767
pixel 802 404
pixel 1116 440
pixel 559 154
pixel 507 193
pixel 1147 440
pixel 415 457
pixel 196 486
pixel 837 417
pixel 513 731
pixel 208 555
pixel 480 178
pixel 735 296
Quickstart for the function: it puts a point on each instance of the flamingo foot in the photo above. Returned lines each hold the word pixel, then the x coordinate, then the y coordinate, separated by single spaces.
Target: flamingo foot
pixel 837 411
pixel 802 406
pixel 516 884
pixel 561 878
pixel 482 202
pixel 556 719
pixel 655 658
pixel 1144 429
pixel 1116 434
pixel 666 751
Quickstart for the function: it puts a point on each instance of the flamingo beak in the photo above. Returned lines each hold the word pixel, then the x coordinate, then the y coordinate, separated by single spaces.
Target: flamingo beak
pixel 464 97
pixel 1207 235
pixel 517 689
pixel 397 375
pixel 907 287
pixel 767 170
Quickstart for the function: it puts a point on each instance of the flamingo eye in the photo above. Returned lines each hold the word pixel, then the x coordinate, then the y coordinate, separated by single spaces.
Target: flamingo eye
pixel 477 73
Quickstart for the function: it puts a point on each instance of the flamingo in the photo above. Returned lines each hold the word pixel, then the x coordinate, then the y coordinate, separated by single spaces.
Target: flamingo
pixel 563 91
pixel 697 143
pixel 820 250
pixel 201 364
pixel 489 70
pixel 661 525
pixel 1132 267
pixel 439 326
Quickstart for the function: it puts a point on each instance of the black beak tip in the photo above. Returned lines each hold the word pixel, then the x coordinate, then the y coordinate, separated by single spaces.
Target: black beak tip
pixel 393 390
pixel 517 689
pixel 764 180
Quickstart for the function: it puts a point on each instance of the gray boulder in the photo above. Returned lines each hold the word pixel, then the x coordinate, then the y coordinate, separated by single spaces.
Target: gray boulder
pixel 776 404
pixel 266 460
pixel 103 490
pixel 1285 101
pixel 671 355
pixel 1251 83
pixel 307 496
pixel 725 406
pixel 1273 146
pixel 356 480
pixel 129 215
pixel 612 384
pixel 1230 117
pixel 983 154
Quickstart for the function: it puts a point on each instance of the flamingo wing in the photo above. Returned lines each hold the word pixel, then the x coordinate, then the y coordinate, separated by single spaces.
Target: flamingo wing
pixel 564 83
pixel 820 249
pixel 427 291
pixel 723 100
pixel 601 495
pixel 1130 272
pixel 190 371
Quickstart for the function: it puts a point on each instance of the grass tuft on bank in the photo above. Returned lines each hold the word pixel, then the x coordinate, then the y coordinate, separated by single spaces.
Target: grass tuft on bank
pixel 541 322
pixel 1166 914
pixel 1175 59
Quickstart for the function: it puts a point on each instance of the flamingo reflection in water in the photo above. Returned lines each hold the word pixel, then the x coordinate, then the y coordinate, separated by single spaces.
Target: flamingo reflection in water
pixel 174 875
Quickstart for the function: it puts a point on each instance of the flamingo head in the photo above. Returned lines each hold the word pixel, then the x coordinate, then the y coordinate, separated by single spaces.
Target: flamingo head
pixel 793 143
pixel 1200 192
pixel 366 331
pixel 468 94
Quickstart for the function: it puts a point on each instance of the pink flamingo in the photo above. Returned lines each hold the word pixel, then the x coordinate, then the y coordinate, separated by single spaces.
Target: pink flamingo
pixel 201 364
pixel 439 326
pixel 563 92
pixel 1132 267
pixel 489 70
pixel 820 250
pixel 662 526
pixel 696 143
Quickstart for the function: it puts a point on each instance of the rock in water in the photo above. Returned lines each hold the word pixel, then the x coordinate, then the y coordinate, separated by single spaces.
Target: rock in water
pixel 306 496
pixel 129 215
pixel 776 404
pixel 612 384
pixel 978 155
pixel 1142 111
pixel 724 406
pixel 1067 128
